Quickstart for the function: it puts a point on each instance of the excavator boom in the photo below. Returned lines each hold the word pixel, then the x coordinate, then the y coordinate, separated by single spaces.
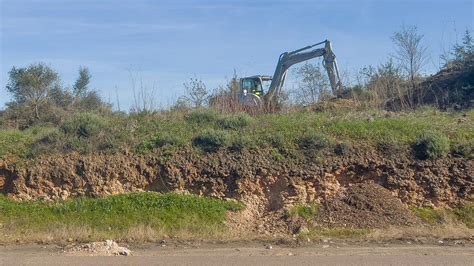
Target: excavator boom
pixel 287 59
pixel 252 90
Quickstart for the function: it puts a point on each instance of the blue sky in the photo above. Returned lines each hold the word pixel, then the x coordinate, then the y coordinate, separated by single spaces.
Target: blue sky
pixel 164 43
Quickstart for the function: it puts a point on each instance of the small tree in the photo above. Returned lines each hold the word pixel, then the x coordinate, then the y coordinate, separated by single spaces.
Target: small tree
pixel 410 53
pixel 313 84
pixel 80 87
pixel 31 86
pixel 196 93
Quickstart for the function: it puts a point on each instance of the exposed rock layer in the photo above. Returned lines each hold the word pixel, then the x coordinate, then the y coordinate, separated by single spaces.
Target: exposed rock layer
pixel 341 183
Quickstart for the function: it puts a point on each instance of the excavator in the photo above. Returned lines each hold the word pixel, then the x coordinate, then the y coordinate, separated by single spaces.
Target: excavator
pixel 252 88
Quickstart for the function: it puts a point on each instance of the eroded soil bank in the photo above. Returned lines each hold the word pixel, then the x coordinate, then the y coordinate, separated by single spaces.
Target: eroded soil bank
pixel 363 188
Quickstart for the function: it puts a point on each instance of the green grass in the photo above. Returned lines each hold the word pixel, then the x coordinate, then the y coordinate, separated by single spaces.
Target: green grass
pixel 115 216
pixel 429 215
pixel 288 133
pixel 14 143
pixel 307 212
pixel 465 214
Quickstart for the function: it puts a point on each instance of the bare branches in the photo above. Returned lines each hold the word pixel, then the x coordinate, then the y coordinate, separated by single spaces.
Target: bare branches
pixel 196 95
pixel 411 55
pixel 410 50
pixel 313 84
pixel 143 97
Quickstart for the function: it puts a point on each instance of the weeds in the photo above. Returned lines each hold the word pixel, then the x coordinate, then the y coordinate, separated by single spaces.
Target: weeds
pixel 242 142
pixel 235 122
pixel 313 141
pixel 464 149
pixel 160 141
pixel 307 212
pixel 212 140
pixel 14 143
pixel 115 216
pixel 465 214
pixel 202 117
pixel 429 215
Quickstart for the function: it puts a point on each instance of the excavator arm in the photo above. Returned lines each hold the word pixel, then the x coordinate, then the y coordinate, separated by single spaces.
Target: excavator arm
pixel 288 59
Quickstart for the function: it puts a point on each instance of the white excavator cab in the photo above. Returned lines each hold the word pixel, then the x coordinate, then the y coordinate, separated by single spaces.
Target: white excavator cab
pixel 253 89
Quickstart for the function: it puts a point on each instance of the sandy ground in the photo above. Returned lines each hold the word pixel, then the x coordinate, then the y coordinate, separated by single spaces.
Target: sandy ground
pixel 253 254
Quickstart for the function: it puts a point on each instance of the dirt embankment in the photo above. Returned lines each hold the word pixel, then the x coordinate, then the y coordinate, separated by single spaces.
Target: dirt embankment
pixel 363 188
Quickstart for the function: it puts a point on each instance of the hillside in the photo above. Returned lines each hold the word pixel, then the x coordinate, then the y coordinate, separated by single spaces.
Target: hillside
pixel 300 169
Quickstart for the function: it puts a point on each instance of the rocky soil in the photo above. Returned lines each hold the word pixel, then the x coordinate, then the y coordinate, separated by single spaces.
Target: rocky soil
pixel 364 188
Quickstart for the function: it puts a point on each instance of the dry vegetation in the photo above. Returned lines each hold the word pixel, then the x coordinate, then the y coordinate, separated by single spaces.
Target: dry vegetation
pixel 44 119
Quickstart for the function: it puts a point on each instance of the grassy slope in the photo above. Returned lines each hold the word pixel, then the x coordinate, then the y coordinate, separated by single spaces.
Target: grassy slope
pixel 143 133
pixel 138 216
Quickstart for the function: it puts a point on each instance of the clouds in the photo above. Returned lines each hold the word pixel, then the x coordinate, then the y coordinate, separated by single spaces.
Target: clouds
pixel 13 26
pixel 171 40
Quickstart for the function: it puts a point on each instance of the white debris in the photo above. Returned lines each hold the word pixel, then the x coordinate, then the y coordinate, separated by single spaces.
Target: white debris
pixel 105 248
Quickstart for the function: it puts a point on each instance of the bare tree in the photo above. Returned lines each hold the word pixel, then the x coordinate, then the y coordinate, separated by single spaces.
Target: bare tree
pixel 196 95
pixel 313 84
pixel 143 97
pixel 410 53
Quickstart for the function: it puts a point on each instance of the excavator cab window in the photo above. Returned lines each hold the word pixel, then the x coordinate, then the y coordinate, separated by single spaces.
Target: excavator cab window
pixel 252 85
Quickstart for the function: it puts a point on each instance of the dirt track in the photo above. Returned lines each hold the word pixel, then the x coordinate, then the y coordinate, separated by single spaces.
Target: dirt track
pixel 249 255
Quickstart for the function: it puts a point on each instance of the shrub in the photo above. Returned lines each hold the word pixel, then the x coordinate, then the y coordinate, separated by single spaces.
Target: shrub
pixel 200 117
pixel 235 122
pixel 84 125
pixel 276 140
pixel 431 145
pixel 160 141
pixel 313 141
pixel 242 142
pixel 212 140
pixel 465 149
pixel 166 139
